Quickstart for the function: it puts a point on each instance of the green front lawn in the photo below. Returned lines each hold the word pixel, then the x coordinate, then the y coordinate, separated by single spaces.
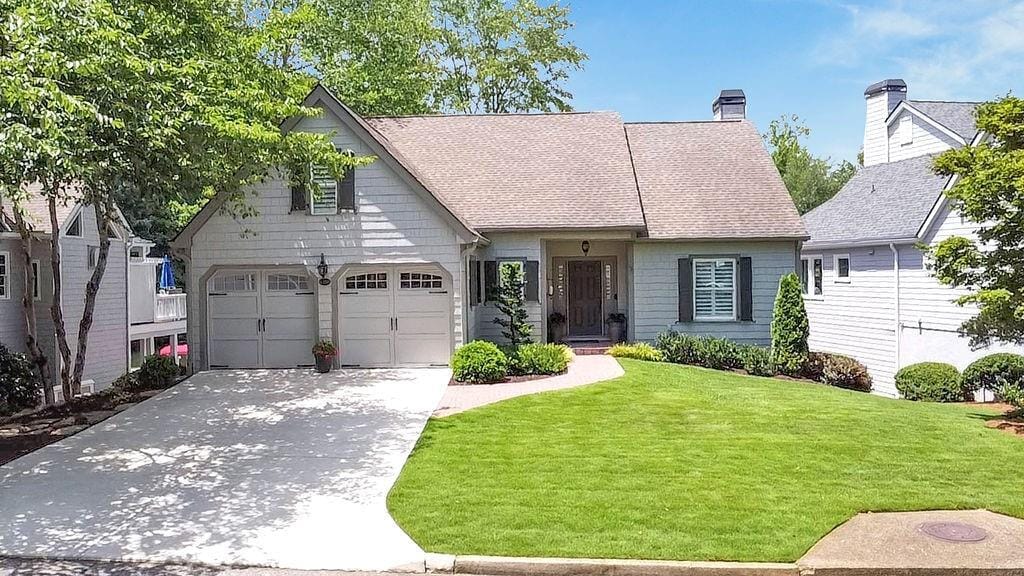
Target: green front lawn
pixel 674 462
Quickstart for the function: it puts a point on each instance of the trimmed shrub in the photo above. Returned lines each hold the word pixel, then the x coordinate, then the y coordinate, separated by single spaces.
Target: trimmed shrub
pixel 845 372
pixel 678 348
pixel 790 328
pixel 994 372
pixel 157 372
pixel 127 382
pixel 19 383
pixel 530 359
pixel 706 351
pixel 637 351
pixel 479 362
pixel 930 382
pixel 757 360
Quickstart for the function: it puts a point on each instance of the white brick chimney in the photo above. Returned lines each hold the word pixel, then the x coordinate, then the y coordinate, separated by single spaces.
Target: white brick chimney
pixel 730 105
pixel 881 98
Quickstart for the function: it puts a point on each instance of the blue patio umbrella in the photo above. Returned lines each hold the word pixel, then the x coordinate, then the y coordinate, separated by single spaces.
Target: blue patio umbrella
pixel 166 275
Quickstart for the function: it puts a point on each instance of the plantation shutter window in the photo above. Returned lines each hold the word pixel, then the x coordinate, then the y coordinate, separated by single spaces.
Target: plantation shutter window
pixel 714 289
pixel 323 191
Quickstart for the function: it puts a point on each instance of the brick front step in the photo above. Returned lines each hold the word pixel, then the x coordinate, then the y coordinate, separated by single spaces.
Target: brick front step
pixel 590 348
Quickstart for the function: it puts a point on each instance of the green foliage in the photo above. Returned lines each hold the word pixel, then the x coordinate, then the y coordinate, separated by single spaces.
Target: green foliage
pixel 510 299
pixel 706 351
pixel 756 360
pixel 637 351
pixel 537 359
pixel 810 181
pixel 993 372
pixel 126 384
pixel 19 384
pixel 158 372
pixel 930 382
pixel 499 57
pixel 325 348
pixel 790 327
pixel 479 362
pixel 844 372
pixel 989 193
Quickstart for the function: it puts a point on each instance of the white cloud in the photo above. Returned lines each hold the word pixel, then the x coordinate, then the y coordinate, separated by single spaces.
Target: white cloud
pixel 944 49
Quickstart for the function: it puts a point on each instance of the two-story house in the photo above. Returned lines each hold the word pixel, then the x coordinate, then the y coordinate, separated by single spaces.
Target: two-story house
pixel 868 288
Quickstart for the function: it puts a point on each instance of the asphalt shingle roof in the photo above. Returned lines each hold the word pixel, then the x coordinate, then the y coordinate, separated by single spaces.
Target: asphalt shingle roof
pixel 881 202
pixel 36 209
pixel 520 171
pixel 957 116
pixel 710 180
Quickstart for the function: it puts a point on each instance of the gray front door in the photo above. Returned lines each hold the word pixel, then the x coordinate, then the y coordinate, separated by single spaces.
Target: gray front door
pixel 585 298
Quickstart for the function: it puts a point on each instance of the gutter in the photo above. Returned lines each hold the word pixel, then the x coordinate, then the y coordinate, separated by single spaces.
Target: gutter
pixel 857 243
pixel 896 282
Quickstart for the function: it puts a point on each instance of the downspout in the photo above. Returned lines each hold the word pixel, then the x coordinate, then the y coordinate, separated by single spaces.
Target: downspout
pixel 896 282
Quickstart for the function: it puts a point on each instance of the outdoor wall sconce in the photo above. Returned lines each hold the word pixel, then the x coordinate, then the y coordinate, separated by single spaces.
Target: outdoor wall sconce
pixel 321 269
pixel 585 246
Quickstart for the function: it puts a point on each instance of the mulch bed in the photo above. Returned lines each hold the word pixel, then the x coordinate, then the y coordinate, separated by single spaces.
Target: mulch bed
pixel 28 431
pixel 1011 421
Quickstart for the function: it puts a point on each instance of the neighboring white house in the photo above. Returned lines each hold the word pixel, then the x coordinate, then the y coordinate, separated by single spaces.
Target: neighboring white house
pixel 678 225
pixel 868 290
pixel 120 313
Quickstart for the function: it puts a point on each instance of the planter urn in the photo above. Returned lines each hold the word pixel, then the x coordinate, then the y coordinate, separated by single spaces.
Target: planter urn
pixel 324 364
pixel 617 332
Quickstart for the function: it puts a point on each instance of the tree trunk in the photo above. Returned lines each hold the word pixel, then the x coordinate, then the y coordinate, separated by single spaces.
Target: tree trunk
pixel 103 212
pixel 28 302
pixel 56 312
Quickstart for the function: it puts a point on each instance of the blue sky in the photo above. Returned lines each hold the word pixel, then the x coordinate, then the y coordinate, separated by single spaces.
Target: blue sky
pixel 667 60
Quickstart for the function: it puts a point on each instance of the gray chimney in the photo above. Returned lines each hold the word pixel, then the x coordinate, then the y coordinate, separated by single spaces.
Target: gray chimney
pixel 730 105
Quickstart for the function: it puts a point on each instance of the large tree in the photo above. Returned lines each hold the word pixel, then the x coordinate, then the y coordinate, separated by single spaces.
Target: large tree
pixel 809 179
pixel 159 102
pixel 988 192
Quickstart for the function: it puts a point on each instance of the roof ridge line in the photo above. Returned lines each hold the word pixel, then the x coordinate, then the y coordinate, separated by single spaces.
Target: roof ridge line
pixel 946 101
pixel 494 114
pixel 652 122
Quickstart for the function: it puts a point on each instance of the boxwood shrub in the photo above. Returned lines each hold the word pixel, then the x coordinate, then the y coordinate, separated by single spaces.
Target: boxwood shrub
pixel 706 351
pixel 479 362
pixel 993 372
pixel 930 382
pixel 637 351
pixel 539 359
pixel 757 360
pixel 19 384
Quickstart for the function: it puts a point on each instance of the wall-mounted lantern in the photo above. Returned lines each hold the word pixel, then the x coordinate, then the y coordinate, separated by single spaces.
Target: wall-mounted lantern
pixel 585 246
pixel 321 269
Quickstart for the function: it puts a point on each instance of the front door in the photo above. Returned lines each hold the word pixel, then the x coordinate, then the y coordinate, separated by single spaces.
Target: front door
pixel 585 298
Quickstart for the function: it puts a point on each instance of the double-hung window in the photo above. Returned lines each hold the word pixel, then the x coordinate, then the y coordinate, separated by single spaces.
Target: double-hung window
pixel 811 275
pixel 841 264
pixel 714 289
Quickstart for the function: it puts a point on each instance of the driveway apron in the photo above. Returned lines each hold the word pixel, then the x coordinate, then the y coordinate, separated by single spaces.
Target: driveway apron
pixel 281 468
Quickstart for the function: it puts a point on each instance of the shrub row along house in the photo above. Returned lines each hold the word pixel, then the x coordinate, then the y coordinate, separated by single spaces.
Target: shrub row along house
pixel 132 319
pixel 869 292
pixel 678 225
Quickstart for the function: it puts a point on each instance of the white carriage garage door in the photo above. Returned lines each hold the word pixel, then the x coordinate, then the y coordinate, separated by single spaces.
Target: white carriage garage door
pixel 261 319
pixel 395 316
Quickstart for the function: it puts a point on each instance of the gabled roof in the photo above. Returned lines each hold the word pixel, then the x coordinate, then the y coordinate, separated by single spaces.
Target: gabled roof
pixel 37 211
pixel 710 180
pixel 523 171
pixel 883 202
pixel 957 116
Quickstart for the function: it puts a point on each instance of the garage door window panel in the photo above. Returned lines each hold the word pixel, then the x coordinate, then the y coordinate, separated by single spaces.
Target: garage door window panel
pixel 420 281
pixel 287 283
pixel 371 281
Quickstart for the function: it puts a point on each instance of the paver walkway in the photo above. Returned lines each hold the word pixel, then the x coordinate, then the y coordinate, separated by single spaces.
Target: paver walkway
pixel 281 468
pixel 582 370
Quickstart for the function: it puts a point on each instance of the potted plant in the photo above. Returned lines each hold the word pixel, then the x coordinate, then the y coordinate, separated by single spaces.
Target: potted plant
pixel 324 351
pixel 556 327
pixel 616 327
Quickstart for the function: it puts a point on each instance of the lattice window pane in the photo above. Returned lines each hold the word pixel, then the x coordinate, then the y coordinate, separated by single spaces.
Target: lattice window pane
pixel 287 282
pixel 234 283
pixel 420 281
pixel 371 281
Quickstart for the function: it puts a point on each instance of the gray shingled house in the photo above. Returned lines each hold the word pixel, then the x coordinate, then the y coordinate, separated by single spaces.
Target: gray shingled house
pixel 868 290
pixel 677 225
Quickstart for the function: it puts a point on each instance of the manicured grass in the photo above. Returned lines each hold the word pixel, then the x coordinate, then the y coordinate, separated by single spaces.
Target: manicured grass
pixel 672 462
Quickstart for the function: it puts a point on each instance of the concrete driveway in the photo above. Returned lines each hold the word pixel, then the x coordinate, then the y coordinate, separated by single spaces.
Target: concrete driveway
pixel 281 468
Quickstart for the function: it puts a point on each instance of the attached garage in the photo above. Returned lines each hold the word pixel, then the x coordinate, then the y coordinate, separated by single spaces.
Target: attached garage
pixel 261 319
pixel 395 316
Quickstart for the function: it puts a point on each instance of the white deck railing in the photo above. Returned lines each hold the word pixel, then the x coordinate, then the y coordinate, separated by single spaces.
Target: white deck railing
pixel 170 307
